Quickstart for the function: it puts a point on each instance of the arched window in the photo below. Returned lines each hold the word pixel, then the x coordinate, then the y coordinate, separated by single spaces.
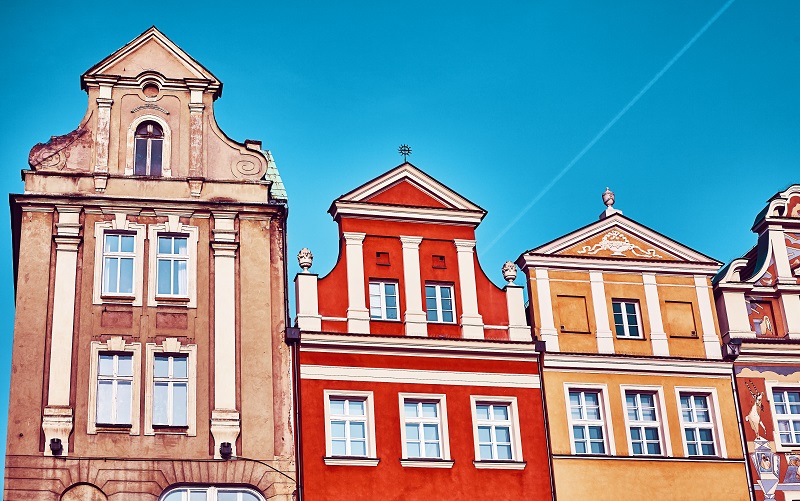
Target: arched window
pixel 211 494
pixel 148 149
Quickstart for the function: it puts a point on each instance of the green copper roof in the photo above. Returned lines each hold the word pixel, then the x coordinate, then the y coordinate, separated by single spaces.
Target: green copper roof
pixel 277 191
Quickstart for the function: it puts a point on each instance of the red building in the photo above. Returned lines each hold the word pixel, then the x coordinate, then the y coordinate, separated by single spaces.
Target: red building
pixel 418 376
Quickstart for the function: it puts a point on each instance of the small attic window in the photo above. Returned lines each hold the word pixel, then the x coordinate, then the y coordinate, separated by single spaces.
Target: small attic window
pixel 382 258
pixel 438 262
pixel 148 149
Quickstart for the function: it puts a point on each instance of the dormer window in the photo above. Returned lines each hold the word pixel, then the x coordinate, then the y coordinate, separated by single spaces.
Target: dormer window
pixel 148 149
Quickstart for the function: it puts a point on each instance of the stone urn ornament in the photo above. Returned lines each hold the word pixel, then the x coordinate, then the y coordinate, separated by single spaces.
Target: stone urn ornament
pixel 608 197
pixel 509 272
pixel 305 258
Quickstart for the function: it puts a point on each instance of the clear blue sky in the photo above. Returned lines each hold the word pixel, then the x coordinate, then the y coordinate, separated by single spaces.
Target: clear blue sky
pixel 494 100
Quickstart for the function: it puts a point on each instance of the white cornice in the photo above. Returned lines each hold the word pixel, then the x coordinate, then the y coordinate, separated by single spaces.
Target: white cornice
pixel 404 213
pixel 417 376
pixel 658 366
pixel 574 263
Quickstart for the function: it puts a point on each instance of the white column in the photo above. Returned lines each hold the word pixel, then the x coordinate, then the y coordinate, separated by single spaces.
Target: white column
pixel 414 317
pixel 357 312
pixel 547 329
pixel 605 338
pixel 734 309
pixel 225 417
pixel 102 135
pixel 307 301
pixel 518 329
pixel 58 414
pixel 658 338
pixel 471 320
pixel 782 266
pixel 791 314
pixel 710 340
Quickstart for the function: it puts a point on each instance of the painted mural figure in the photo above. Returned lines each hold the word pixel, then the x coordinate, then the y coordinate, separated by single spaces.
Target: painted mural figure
pixel 792 476
pixel 754 417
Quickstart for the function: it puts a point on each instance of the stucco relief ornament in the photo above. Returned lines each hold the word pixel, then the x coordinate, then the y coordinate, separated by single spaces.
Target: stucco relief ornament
pixel 305 258
pixel 509 272
pixel 618 244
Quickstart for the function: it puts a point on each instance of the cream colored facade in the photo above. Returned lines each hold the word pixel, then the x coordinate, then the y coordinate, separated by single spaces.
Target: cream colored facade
pixel 150 293
pixel 638 397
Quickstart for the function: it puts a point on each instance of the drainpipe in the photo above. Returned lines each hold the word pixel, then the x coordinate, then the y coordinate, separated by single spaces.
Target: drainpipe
pixel 540 348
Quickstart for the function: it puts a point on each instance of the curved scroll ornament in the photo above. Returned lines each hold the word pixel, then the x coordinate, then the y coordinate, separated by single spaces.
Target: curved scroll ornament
pixel 618 244
pixel 247 169
pixel 53 153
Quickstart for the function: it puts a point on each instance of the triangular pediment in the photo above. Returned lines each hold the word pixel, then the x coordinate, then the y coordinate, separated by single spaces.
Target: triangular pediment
pixel 150 51
pixel 407 193
pixel 619 238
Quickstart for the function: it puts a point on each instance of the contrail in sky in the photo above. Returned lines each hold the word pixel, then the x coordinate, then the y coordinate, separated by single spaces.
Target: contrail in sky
pixel 608 126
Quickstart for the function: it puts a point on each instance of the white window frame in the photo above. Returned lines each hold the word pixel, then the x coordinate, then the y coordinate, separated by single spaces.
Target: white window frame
pixel 517 461
pixel 210 491
pixel 438 287
pixel 166 147
pixel 371 458
pixel 716 418
pixel 382 296
pixel 119 224
pixel 625 325
pixel 604 422
pixel 771 387
pixel 115 345
pixel 171 346
pixel 441 420
pixel 174 228
pixel 661 416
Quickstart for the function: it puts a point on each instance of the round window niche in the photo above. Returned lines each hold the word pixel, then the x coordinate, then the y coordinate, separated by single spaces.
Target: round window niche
pixel 150 90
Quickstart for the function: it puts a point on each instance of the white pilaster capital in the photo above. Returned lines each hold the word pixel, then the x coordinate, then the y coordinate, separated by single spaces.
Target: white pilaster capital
pixel 196 108
pixel 225 427
pixel 224 228
pixel 410 242
pixel 463 245
pixel 224 249
pixel 353 238
pixel 104 103
pixel 57 423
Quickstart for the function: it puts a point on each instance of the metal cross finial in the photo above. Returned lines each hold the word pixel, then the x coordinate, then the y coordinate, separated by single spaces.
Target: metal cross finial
pixel 404 150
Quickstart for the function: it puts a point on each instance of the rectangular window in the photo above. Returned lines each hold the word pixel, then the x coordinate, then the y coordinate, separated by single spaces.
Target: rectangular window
pixel 697 425
pixel 119 254
pixel 114 384
pixel 170 390
pixel 439 303
pixel 494 431
pixel 588 426
pixel 348 426
pixel 383 301
pixel 787 414
pixel 644 427
pixel 172 261
pixel 626 318
pixel 422 427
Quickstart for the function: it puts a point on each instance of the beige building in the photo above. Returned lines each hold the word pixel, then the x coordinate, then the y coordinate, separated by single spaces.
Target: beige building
pixel 149 250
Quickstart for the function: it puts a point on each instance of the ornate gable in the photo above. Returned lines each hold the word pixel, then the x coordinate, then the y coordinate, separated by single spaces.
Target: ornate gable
pixel 618 243
pixel 406 193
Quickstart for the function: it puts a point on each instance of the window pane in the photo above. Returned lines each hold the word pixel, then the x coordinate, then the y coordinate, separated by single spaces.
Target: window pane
pixel 580 447
pixel 503 452
pixel 431 432
pixel 432 450
pixel 106 365
pixel 165 245
pixel 125 365
pixel 246 496
pixel 391 313
pixel 226 496
pixel 445 291
pixel 126 243
pixel 410 409
pixel 413 449
pixel 197 496
pixel 374 289
pixel 598 448
pixel 164 272
pixel 140 157
pixel 181 246
pixel 501 412
pixel 447 316
pixel 596 432
pixel 338 448
pixel 337 406
pixel 592 399
pixel 482 411
pixel 484 434
pixel 357 430
pixel 161 366
pixel 161 403
pixel 155 156
pixel 179 404
pixel 110 274
pixel 616 308
pixel 708 450
pixel 126 276
pixel 630 308
pixel 112 243
pixel 178 496
pixel 428 410
pixel 180 366
pixel 706 435
pixel 391 289
pixel 486 451
pixel 359 448
pixel 503 434
pixel 123 402
pixel 578 432
pixel 412 432
pixel 337 429
pixel 356 408
pixel 179 280
pixel 105 401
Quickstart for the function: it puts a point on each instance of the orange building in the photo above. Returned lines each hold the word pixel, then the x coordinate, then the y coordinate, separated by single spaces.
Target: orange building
pixel 418 376
pixel 758 299
pixel 638 399
pixel 146 363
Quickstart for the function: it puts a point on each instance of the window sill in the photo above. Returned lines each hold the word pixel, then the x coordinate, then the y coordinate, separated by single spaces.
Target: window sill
pixel 628 338
pixel 500 465
pixel 426 463
pixel 113 428
pixel 118 298
pixel 350 461
pixel 389 320
pixel 167 429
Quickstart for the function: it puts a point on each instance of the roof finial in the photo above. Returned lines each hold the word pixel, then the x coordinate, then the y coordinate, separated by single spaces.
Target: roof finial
pixel 608 199
pixel 404 150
